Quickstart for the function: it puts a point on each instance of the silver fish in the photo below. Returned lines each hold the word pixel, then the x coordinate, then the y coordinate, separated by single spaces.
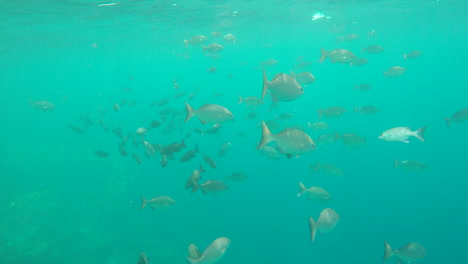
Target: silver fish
pixel 459 117
pixel 409 253
pixel 209 113
pixel 291 141
pixel 283 87
pixel 395 71
pixel 157 202
pixel 314 193
pixel 402 134
pixel 327 221
pixel 410 165
pixel 338 56
pixel 213 253
pixel 210 186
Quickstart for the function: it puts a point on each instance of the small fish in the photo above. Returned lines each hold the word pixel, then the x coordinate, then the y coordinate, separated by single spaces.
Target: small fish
pixel 122 150
pixel 409 253
pixel 284 116
pixel 305 78
pixel 213 253
pixel 314 193
pixel 327 221
pixel 137 159
pixel 291 141
pixel 141 131
pixel 44 106
pixel 349 37
pixel 373 49
pixel 155 124
pixel 237 177
pixel 163 161
pixel 143 259
pixel 353 141
pixel 213 48
pixel 283 87
pixel 318 125
pixel 195 40
pixel 363 87
pixel 209 161
pixel 193 180
pixel 216 34
pixel 209 113
pixel 116 107
pixel 328 169
pixel 224 148
pixel 101 154
pixel 366 110
pixel 230 38
pixel 402 134
pixel 149 149
pixel 190 154
pixel 212 70
pixel 372 33
pixel 410 165
pixel 210 187
pixel 327 138
pixel 269 63
pixel 76 129
pixel 459 117
pixel 338 56
pixel 412 54
pixel 270 152
pixel 359 62
pixel 250 101
pixel 157 202
pixel 302 64
pixel 331 112
pixel 395 71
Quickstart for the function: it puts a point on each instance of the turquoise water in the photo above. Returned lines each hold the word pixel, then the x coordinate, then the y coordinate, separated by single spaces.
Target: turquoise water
pixel 60 203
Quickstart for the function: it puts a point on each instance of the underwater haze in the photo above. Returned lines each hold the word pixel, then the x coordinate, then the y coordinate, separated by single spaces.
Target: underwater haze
pixel 106 102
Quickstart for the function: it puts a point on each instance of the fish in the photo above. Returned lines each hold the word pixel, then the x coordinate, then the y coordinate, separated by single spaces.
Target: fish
pixel 410 165
pixel 209 161
pixel 193 180
pixel 412 54
pixel 409 253
pixel 318 125
pixel 212 48
pixel 194 252
pixel 216 34
pixel 163 161
pixel 366 110
pixel 213 253
pixel 141 131
pixel 101 153
pixel 212 69
pixel 331 112
pixel 283 87
pixel 195 40
pixel 314 193
pixel 143 259
pixel 122 150
pixel 269 63
pixel 458 117
pixel 327 138
pixel 210 187
pixel 292 142
pixel 137 158
pixel 157 202
pixel 116 107
pixel 250 101
pixel 403 134
pixel 224 148
pixel 305 78
pixel 284 116
pixel 338 56
pixel 170 149
pixel 372 33
pixel 302 64
pixel 327 221
pixel 395 71
pixel 329 169
pixel 373 49
pixel 118 132
pixel 155 124
pixel 349 37
pixel 270 152
pixel 237 177
pixel 44 106
pixel 363 87
pixel 190 154
pixel 149 149
pixel 230 38
pixel 359 62
pixel 353 141
pixel 209 114
pixel 76 129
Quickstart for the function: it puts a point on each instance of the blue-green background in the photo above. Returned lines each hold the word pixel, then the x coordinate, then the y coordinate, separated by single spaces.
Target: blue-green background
pixel 59 203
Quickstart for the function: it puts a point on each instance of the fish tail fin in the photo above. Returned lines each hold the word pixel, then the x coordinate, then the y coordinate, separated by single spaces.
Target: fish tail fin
pixel 266 136
pixel 396 163
pixel 420 133
pixel 405 56
pixel 356 109
pixel 196 186
pixel 388 251
pixel 320 113
pixel 204 48
pixel 323 56
pixel 191 260
pixel 190 112
pixel 240 100
pixel 201 169
pixel 447 121
pixel 265 83
pixel 313 228
pixel 144 202
pixel 186 42
pixel 302 189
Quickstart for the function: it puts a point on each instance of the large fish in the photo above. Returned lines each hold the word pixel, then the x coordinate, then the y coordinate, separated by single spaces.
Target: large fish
pixel 283 87
pixel 212 254
pixel 409 253
pixel 291 141
pixel 327 221
pixel 209 114
pixel 402 134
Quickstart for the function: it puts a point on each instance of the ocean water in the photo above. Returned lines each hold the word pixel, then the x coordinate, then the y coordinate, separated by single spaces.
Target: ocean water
pixel 61 203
